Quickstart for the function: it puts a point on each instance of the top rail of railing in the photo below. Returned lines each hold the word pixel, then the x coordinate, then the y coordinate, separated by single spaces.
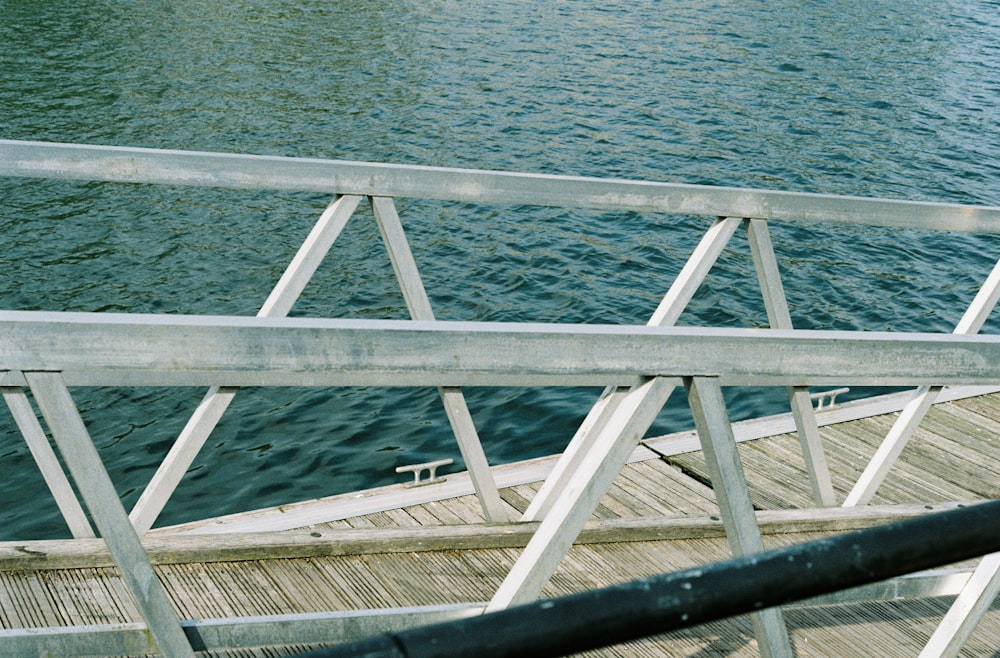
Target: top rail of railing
pixel 173 167
pixel 108 349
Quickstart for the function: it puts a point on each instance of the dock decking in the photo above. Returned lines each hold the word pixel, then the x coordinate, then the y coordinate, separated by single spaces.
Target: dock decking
pixel 660 515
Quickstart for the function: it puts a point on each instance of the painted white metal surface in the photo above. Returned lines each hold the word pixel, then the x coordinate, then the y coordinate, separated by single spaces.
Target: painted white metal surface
pixel 455 407
pixel 105 349
pixel 694 272
pixel 729 483
pixel 140 165
pixel 228 633
pixel 98 492
pixel 578 500
pixel 892 446
pixel 210 410
pixel 779 317
pixel 969 607
pixel 342 506
pixel 48 463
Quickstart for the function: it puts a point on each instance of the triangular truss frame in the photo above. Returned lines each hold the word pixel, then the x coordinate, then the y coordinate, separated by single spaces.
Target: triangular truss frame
pixel 567 498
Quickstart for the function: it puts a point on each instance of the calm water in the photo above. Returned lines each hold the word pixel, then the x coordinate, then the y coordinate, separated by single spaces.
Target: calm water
pixel 898 99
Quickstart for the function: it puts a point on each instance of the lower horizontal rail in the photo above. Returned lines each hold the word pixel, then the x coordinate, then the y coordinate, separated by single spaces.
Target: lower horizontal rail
pixel 329 627
pixel 597 618
pixel 231 633
pixel 926 584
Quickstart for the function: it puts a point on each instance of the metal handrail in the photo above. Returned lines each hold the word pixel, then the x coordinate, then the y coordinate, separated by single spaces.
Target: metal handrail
pixel 107 349
pixel 682 599
pixel 239 171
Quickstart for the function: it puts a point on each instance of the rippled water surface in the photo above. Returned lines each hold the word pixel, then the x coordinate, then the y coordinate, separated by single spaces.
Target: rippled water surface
pixel 896 99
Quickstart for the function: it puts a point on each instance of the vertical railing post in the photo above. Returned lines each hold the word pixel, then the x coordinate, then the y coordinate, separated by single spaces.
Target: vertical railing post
pixel 708 407
pixel 198 428
pixel 779 317
pixel 455 406
pixel 99 494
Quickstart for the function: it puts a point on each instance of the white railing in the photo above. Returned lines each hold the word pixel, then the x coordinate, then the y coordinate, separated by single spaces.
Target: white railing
pixel 110 349
pixel 45 353
pixel 138 165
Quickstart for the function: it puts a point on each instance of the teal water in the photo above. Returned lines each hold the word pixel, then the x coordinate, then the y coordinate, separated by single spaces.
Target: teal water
pixel 895 99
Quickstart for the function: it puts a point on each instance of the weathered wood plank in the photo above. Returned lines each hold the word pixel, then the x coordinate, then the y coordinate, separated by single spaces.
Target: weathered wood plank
pixel 180 549
pixel 905 483
pixel 987 406
pixel 464 509
pixel 988 429
pixel 934 467
pixel 787 484
pixel 769 426
pixel 643 498
pixel 681 493
pixel 847 457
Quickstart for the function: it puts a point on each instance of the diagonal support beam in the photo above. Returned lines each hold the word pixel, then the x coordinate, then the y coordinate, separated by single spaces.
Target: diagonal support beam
pixel 26 420
pixel 99 494
pixel 972 603
pixel 669 310
pixel 731 492
pixel 924 397
pixel 568 464
pixel 198 428
pixel 577 502
pixel 455 406
pixel 779 317
pixel 892 446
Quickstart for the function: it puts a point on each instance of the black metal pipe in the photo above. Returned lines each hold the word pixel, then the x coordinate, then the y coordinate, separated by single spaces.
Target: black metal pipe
pixel 597 618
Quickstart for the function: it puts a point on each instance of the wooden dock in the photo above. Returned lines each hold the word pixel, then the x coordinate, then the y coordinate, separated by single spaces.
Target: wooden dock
pixel 660 515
